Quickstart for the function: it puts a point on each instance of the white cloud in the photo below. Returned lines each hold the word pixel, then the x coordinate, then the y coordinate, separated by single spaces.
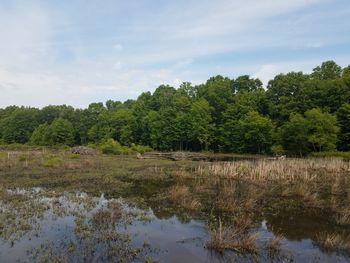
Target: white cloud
pixel 267 72
pixel 118 47
pixel 25 33
pixel 53 56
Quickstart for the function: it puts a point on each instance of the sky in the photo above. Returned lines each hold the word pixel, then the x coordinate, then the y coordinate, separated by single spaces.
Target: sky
pixel 76 52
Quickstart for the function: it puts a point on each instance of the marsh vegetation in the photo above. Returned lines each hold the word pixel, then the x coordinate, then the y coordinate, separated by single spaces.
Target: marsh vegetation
pixel 62 207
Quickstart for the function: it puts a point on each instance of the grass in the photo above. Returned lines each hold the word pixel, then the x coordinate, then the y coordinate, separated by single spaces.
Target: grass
pixel 51 162
pixel 273 246
pixel 181 195
pixel 345 155
pixel 310 169
pixel 55 169
pixel 238 192
pixel 343 217
pixel 333 242
pixel 237 237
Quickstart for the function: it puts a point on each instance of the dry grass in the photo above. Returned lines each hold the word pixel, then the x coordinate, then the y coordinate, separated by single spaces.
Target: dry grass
pixel 238 238
pixel 310 169
pixel 177 193
pixel 230 199
pixel 342 216
pixel 181 195
pixel 273 246
pixel 333 242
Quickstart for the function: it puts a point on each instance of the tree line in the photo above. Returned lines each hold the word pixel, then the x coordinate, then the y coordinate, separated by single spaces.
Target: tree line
pixel 296 113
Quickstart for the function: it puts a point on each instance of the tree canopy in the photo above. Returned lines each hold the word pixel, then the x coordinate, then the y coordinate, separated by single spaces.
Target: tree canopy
pixel 296 113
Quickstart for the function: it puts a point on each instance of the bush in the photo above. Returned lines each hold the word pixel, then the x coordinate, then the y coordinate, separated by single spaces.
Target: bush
pixel 277 150
pixel 140 148
pixel 111 146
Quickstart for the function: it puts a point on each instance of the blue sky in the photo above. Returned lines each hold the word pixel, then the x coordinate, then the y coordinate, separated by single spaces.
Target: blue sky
pixel 83 51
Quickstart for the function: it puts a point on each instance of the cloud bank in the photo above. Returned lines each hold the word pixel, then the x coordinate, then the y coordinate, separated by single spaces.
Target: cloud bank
pixel 77 52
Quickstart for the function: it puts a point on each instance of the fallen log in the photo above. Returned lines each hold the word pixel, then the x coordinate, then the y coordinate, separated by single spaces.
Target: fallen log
pixel 175 156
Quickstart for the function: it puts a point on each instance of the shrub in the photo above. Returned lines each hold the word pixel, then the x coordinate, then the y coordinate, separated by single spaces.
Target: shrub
pixel 111 146
pixel 278 150
pixel 140 148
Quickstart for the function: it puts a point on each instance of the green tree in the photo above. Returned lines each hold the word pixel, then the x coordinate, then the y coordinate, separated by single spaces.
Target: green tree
pixel 253 134
pixel 140 111
pixel 218 92
pixel 123 122
pixel 162 97
pixel 40 135
pixel 113 105
pixel 283 95
pixel 328 70
pixel 18 126
pixel 60 132
pixel 103 128
pixel 343 118
pixel 323 129
pixel 324 94
pixel 246 84
pixel 294 135
pixel 201 123
pixel 187 89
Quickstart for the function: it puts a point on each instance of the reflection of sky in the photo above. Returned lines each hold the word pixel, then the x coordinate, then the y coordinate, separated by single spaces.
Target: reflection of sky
pixel 54 52
pixel 170 240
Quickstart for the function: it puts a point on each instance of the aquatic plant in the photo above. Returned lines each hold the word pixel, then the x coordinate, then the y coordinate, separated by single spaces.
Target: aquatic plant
pixel 181 195
pixel 273 246
pixel 237 237
pixel 333 242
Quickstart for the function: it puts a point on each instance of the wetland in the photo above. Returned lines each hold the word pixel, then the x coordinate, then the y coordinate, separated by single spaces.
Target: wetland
pixel 61 207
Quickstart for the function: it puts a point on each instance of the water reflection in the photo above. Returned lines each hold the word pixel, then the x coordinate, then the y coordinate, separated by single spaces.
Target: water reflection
pixel 173 220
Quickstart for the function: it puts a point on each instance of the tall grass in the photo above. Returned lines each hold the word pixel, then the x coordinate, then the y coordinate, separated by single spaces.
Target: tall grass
pixel 345 155
pixel 309 169
pixel 182 196
pixel 237 237
pixel 332 241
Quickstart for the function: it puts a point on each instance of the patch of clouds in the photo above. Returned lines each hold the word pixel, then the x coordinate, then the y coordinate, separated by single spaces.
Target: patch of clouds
pixel 184 62
pixel 49 55
pixel 118 47
pixel 266 72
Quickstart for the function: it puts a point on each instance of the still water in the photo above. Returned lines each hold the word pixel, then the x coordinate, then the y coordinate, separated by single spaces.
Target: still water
pixel 41 225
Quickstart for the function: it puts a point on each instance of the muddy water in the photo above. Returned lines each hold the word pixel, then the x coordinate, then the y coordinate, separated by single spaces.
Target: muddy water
pixel 160 224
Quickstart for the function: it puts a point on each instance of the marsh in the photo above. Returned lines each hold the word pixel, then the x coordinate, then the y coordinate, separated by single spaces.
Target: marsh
pixel 62 207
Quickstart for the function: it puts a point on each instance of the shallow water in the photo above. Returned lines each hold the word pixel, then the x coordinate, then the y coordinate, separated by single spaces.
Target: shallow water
pixel 76 227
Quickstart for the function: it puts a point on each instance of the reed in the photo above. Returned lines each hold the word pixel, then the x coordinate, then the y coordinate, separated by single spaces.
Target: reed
pixel 181 196
pixel 273 246
pixel 333 242
pixel 310 169
pixel 238 237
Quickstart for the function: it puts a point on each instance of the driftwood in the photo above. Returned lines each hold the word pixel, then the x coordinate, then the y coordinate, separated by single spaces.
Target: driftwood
pixel 196 156
pixel 281 157
pixel 175 156
pixel 83 150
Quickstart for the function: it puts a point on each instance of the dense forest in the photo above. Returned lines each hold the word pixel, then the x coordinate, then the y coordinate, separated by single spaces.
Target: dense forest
pixel 296 114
